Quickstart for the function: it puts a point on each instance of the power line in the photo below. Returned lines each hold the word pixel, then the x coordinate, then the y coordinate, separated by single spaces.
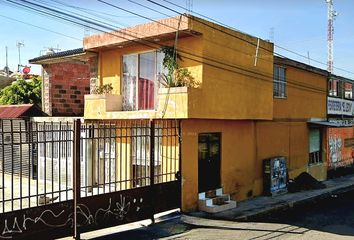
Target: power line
pixel 280 47
pixel 256 76
pixel 42 28
pixel 203 57
pixel 212 60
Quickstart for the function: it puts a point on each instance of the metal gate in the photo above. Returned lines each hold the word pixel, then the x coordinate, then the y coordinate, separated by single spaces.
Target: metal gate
pixel 77 177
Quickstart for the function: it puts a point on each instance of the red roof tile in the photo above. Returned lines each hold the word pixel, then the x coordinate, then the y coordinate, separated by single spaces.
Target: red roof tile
pixel 15 111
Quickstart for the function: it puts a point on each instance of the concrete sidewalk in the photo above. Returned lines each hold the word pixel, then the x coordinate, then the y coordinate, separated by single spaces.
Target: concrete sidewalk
pixel 251 208
pixel 175 225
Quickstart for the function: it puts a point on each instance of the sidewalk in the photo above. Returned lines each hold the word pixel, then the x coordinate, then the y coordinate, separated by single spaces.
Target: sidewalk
pixel 175 225
pixel 248 209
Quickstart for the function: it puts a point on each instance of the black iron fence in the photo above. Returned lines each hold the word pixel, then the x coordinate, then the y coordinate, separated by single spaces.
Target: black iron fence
pixel 93 171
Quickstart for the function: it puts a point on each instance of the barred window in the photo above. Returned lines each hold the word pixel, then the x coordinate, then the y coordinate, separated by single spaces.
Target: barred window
pixel 279 82
pixel 315 146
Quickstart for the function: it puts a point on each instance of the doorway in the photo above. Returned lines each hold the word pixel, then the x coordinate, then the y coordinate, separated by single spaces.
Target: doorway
pixel 209 149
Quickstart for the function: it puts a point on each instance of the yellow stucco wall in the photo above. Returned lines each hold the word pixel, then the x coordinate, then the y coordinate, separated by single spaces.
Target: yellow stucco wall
pixel 233 87
pixel 289 139
pixel 230 84
pixel 237 158
pixel 306 95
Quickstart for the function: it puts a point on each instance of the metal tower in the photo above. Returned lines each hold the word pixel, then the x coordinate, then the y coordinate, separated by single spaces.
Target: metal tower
pixel 331 17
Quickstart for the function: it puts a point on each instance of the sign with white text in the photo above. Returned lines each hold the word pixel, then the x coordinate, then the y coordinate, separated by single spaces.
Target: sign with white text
pixel 340 106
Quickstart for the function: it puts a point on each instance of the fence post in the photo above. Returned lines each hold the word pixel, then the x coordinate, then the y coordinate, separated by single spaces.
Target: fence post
pixel 152 168
pixel 76 174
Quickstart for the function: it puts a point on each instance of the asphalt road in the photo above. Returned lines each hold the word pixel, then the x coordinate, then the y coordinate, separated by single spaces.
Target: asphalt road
pixel 331 219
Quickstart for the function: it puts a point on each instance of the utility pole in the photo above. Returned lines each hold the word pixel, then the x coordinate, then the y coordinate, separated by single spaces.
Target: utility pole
pixel 331 15
pixel 19 45
pixel 7 63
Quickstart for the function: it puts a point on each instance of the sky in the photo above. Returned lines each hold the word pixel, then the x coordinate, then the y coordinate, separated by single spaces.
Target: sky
pixel 296 25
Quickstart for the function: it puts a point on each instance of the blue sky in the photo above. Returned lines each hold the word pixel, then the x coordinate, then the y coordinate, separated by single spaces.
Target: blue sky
pixel 298 25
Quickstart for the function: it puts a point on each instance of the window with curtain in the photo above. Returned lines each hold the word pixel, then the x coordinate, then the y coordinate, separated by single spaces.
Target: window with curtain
pixel 141 79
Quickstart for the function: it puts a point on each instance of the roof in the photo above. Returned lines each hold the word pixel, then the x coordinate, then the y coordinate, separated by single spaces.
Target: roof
pixel 332 124
pixel 19 111
pixel 73 54
pixel 300 65
pixel 155 31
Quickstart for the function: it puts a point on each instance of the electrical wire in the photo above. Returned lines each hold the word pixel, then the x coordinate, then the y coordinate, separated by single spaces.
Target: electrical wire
pixel 278 46
pixel 42 28
pixel 256 76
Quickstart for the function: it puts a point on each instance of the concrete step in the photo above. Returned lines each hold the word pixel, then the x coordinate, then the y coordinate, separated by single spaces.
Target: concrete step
pixel 218 208
pixel 215 201
pixel 210 194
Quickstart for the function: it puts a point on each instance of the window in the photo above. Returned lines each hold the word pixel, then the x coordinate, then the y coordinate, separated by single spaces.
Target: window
pixel 348 90
pixel 141 155
pixel 334 87
pixel 315 146
pixel 141 74
pixel 279 82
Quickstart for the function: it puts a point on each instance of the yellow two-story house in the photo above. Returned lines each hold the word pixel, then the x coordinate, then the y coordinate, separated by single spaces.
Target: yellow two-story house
pixel 246 105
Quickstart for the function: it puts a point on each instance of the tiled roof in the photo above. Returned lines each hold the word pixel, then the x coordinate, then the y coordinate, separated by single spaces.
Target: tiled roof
pixel 17 111
pixel 58 55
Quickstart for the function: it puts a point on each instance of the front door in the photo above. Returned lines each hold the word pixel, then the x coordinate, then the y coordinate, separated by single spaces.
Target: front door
pixel 209 147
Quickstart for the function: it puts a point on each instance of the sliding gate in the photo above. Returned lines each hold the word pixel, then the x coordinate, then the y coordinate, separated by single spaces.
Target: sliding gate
pixel 63 178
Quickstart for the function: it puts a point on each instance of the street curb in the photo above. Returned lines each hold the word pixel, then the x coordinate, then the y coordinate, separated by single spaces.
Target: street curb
pixel 282 205
pixel 292 204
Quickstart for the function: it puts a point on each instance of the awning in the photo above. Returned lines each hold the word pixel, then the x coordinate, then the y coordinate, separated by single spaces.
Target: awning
pixel 338 123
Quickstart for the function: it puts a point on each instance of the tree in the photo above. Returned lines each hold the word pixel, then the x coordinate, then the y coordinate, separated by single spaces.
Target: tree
pixel 22 92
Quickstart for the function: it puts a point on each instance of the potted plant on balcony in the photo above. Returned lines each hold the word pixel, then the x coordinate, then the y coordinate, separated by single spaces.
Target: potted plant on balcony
pixel 175 81
pixel 112 102
pixel 175 76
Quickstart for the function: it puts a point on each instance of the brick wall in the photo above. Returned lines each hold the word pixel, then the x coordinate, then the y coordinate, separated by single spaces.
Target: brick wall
pixel 66 85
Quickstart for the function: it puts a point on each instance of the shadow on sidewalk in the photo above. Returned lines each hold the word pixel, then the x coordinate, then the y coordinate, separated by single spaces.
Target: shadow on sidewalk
pixel 155 231
pixel 333 215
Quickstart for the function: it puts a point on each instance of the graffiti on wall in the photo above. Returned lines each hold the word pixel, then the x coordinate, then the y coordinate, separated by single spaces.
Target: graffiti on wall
pixel 339 150
pixel 117 210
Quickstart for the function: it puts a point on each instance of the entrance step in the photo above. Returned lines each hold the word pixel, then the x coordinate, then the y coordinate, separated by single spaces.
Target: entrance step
pixel 215 201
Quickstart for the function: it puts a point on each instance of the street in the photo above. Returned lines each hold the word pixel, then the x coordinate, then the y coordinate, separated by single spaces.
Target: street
pixel 330 218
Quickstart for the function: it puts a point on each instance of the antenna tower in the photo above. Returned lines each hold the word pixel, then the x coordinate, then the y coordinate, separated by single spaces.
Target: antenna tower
pixel 331 14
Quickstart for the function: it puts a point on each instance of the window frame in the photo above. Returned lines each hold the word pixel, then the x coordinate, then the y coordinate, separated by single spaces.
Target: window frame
pixel 315 158
pixel 280 83
pixel 137 74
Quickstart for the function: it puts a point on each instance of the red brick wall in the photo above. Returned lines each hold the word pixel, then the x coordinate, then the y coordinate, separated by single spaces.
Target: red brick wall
pixel 68 83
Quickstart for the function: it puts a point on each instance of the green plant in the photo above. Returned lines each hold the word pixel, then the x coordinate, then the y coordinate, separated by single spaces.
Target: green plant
pixel 175 76
pixel 103 89
pixel 22 92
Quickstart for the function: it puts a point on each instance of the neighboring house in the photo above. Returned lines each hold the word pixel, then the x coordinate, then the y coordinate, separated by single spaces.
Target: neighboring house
pixel 300 93
pixel 66 79
pixel 14 127
pixel 20 111
pixel 339 131
pixel 5 80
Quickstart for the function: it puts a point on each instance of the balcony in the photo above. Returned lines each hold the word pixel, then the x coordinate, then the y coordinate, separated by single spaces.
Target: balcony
pixel 166 103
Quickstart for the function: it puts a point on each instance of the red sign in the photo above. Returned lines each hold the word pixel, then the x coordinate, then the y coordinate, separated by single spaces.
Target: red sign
pixel 26 70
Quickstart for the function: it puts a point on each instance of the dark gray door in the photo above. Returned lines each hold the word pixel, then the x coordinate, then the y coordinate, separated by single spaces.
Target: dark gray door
pixel 209 149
